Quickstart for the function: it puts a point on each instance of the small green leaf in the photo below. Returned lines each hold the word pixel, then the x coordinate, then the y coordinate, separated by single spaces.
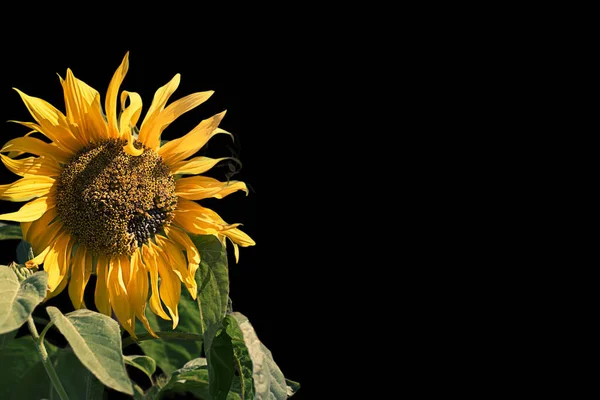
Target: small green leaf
pixel 18 300
pixel 252 356
pixel 96 341
pixel 24 252
pixel 9 231
pixel 19 360
pixel 192 378
pixel 143 363
pixel 219 351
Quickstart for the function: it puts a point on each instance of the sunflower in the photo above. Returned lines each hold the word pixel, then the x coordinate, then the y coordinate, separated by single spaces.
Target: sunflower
pixel 107 198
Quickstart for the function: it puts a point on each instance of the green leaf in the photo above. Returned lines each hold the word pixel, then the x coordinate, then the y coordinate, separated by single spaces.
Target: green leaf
pixel 145 364
pixel 24 252
pixel 209 308
pixel 212 278
pixel 219 352
pixel 79 382
pixel 171 354
pixel 255 363
pixel 19 363
pixel 96 341
pixel 192 378
pixel 9 231
pixel 6 338
pixel 243 361
pixel 19 299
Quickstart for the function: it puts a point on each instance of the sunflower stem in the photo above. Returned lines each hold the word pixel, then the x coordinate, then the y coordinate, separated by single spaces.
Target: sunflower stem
pixel 163 335
pixel 39 344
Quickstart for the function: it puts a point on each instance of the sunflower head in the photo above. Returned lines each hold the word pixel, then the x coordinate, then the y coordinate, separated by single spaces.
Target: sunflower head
pixel 105 197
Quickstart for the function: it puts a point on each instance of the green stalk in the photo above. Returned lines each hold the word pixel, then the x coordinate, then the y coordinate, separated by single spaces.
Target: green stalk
pixel 39 344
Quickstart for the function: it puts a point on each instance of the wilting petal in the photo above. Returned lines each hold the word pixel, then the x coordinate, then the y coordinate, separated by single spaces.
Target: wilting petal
pixel 80 274
pixel 117 290
pixel 182 238
pixel 111 97
pixel 181 148
pixel 26 188
pixel 57 263
pixel 177 262
pixel 137 290
pixel 128 119
pixel 203 187
pixel 101 296
pixel 42 232
pixel 150 260
pixel 170 285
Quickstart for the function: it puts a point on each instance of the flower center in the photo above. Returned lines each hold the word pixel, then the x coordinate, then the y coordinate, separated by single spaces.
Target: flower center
pixel 113 202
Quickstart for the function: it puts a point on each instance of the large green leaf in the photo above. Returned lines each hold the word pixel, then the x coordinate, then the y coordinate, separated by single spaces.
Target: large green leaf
pixel 213 280
pixel 96 341
pixel 19 360
pixel 78 381
pixel 220 357
pixel 209 308
pixel 9 231
pixel 144 363
pixel 18 300
pixel 255 363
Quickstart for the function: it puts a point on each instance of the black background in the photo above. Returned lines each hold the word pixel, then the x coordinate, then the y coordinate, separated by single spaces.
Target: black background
pixel 266 284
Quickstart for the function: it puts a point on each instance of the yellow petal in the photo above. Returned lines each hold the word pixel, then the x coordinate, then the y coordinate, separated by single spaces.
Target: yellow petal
pixel 80 275
pixel 203 187
pixel 195 166
pixel 57 262
pixel 30 211
pixel 117 290
pixel 150 260
pixel 183 147
pixel 83 110
pixel 52 123
pixel 170 285
pixel 199 220
pixel 176 261
pixel 36 147
pixel 182 238
pixel 129 118
pixel 26 188
pixel 170 114
pixel 239 237
pixel 101 295
pixel 137 290
pixel 111 97
pixel 32 166
pixel 159 101
pixel 41 233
